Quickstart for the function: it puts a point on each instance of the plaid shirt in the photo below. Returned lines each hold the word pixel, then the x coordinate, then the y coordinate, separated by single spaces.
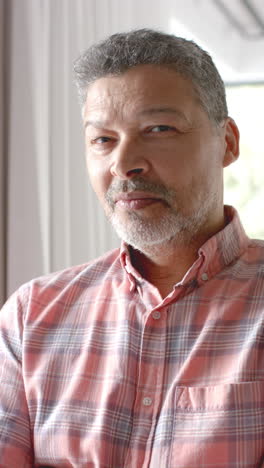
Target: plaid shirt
pixel 98 371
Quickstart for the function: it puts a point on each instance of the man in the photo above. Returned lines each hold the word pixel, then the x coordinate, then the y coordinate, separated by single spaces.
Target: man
pixel 152 355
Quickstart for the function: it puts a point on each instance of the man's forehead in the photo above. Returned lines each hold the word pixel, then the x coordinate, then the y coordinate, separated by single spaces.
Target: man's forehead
pixel 147 77
pixel 139 91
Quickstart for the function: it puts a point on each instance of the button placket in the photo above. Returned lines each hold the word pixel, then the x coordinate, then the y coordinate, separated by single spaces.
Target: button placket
pixel 150 379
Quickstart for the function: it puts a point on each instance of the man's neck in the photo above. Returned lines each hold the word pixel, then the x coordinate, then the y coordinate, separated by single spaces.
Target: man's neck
pixel 166 264
pixel 164 268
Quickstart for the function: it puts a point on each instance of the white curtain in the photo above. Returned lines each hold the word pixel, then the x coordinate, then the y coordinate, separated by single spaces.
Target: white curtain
pixel 2 163
pixel 53 219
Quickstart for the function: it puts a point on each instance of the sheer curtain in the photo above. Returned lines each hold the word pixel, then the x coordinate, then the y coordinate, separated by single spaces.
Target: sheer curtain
pixel 52 219
pixel 2 161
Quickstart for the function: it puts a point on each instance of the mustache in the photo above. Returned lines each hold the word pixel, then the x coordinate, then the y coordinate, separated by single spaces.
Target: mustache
pixel 139 184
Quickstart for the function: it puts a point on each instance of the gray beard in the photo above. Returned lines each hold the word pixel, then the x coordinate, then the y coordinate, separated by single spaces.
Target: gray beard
pixel 141 233
pixel 173 225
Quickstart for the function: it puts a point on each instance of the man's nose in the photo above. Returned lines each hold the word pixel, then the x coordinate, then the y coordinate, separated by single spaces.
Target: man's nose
pixel 129 160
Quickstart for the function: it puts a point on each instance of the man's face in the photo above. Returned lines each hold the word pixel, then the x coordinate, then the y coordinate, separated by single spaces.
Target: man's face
pixel 154 158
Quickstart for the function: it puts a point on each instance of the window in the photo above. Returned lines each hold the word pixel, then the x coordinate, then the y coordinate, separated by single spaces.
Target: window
pixel 244 180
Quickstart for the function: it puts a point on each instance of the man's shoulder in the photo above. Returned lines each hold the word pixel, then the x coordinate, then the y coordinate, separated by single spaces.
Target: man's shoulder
pixel 84 273
pixel 257 243
pixel 256 249
pixel 69 283
pixel 252 259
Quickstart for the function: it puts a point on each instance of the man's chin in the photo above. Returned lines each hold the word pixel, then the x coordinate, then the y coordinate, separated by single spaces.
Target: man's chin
pixel 144 235
pixel 168 230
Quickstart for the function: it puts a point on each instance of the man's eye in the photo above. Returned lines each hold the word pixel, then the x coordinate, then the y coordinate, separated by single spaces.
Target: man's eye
pixel 101 140
pixel 161 128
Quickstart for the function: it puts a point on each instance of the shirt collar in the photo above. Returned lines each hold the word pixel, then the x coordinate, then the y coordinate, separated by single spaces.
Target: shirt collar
pixel 219 251
pixel 225 246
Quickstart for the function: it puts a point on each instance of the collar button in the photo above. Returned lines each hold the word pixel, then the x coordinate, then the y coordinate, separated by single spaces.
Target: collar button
pixel 204 277
pixel 156 315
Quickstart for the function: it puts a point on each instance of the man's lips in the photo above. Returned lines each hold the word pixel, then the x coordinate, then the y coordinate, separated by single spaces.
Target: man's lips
pixel 135 200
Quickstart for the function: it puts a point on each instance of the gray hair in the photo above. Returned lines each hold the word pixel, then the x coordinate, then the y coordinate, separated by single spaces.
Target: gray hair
pixel 119 52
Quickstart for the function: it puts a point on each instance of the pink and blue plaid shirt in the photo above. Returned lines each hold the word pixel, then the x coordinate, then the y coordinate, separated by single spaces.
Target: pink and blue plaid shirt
pixel 98 371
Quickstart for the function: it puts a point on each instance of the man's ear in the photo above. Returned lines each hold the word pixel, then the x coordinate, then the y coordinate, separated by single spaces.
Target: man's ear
pixel 231 142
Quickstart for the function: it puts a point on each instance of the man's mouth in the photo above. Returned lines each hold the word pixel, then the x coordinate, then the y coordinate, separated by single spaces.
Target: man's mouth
pixel 135 200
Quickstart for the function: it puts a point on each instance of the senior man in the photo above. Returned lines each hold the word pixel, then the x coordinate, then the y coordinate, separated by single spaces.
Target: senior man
pixel 152 355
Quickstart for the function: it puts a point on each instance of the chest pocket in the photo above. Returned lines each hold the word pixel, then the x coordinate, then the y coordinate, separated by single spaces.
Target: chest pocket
pixel 218 426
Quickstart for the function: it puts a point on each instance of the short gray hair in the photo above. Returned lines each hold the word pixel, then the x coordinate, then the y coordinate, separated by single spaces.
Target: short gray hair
pixel 119 52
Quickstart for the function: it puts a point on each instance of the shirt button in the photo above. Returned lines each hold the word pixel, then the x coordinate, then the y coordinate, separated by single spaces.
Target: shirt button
pixel 147 401
pixel 156 315
pixel 204 277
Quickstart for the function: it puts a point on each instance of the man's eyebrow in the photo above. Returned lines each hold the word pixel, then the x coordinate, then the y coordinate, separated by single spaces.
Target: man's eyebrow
pixel 164 110
pixel 95 123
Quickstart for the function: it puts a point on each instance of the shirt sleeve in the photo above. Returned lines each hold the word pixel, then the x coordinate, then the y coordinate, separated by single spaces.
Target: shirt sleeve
pixel 15 435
